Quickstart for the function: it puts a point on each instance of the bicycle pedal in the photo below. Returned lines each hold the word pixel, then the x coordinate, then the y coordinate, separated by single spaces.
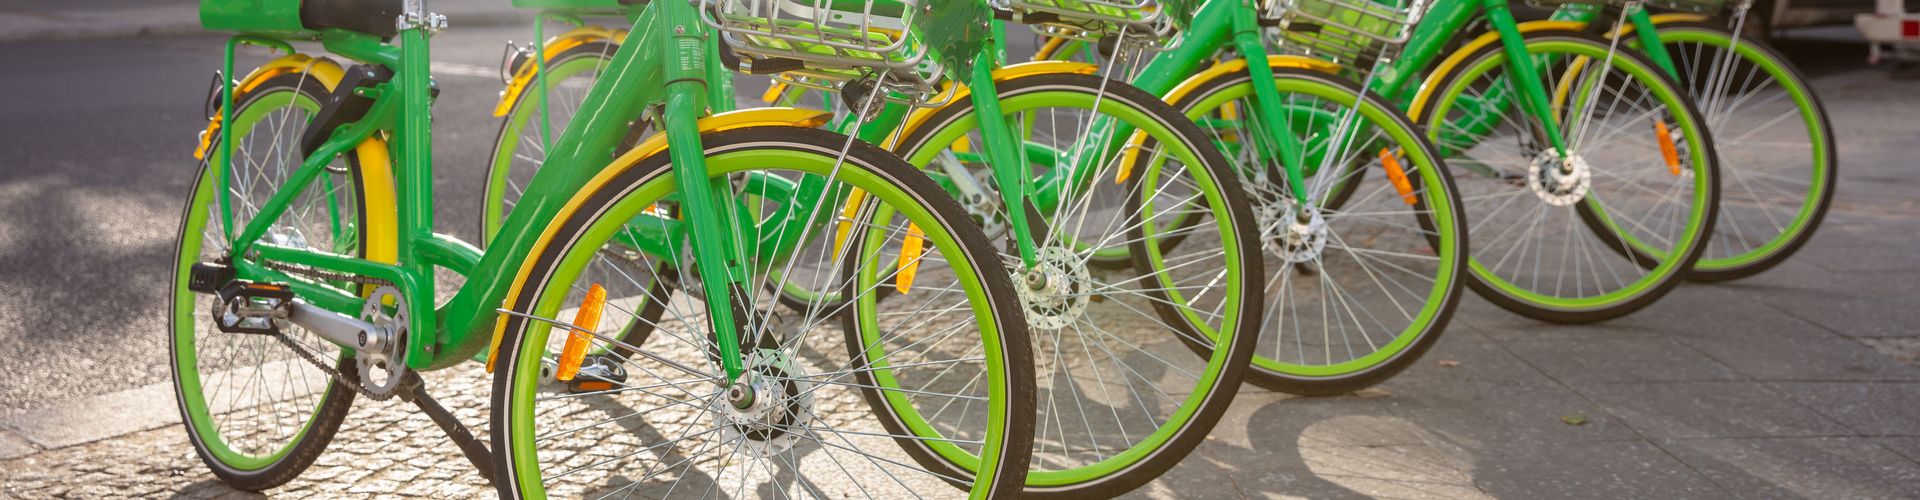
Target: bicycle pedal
pixel 598 373
pixel 208 277
pixel 256 308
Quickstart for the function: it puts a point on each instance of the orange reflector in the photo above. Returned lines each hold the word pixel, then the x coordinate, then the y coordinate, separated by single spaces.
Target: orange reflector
pixel 1666 146
pixel 910 249
pixel 597 385
pixel 1399 177
pixel 206 138
pixel 578 341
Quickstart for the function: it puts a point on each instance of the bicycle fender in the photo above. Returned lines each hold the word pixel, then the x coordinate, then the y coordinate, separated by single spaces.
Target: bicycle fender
pixel 756 117
pixel 1453 61
pixel 523 76
pixel 324 70
pixel 1187 86
pixel 958 94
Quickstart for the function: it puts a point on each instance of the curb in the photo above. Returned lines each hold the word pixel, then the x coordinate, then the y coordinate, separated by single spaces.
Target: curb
pixel 56 29
pixel 112 415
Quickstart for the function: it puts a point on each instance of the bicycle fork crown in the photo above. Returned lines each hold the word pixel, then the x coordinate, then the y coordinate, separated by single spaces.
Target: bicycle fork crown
pixel 1559 182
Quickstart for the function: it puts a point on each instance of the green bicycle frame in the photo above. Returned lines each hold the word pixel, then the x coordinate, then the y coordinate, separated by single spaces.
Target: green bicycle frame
pixel 1643 29
pixel 676 48
pixel 1233 24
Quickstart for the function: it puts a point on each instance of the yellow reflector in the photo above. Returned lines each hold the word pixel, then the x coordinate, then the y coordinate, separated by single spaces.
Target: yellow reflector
pixel 773 92
pixel 577 341
pixel 846 221
pixel 1130 156
pixel 1667 148
pixel 910 249
pixel 1398 176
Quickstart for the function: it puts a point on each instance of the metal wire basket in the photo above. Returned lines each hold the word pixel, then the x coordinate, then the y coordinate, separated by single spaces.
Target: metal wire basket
pixel 1702 6
pixel 1144 23
pixel 903 48
pixel 1353 33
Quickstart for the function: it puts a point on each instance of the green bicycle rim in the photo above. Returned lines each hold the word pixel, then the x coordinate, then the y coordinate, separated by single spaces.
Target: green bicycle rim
pixel 493 207
pixel 186 360
pixel 574 262
pixel 1809 114
pixel 1444 226
pixel 956 129
pixel 1701 167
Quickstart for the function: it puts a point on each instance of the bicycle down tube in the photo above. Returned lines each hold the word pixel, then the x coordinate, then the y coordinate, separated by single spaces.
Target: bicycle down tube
pixel 462 326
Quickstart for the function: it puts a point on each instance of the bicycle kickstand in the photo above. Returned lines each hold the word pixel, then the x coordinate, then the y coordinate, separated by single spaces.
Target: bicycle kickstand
pixel 470 446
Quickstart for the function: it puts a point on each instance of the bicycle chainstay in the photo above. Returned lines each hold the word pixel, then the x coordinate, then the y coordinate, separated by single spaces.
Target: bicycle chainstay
pixel 313 359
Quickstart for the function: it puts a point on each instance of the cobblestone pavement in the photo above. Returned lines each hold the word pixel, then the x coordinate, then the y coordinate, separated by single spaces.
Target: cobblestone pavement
pixel 386 448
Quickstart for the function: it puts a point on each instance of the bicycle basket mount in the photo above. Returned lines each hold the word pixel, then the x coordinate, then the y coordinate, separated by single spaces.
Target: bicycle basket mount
pixel 1143 23
pixel 904 47
pixel 1701 6
pixel 1347 32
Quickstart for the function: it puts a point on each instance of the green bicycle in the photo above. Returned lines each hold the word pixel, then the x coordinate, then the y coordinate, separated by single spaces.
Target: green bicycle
pixel 1368 279
pixel 1774 141
pixel 1588 176
pixel 306 263
pixel 1123 267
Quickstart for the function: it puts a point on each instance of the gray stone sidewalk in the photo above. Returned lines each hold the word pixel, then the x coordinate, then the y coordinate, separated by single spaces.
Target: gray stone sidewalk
pixel 27 20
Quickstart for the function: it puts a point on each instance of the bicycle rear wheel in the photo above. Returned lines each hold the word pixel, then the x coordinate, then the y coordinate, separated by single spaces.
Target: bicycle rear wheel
pixel 256 413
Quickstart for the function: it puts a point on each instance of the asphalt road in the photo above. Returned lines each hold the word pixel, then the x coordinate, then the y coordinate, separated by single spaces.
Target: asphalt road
pixel 96 143
pixel 95 157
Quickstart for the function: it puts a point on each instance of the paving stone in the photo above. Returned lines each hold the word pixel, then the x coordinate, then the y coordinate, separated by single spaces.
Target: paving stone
pixel 1457 361
pixel 1905 350
pixel 1865 244
pixel 1472 415
pixel 1769 345
pixel 1906 446
pixel 1635 358
pixel 1854 316
pixel 101 417
pixel 12 446
pixel 1708 409
pixel 1874 409
pixel 1398 471
pixel 1272 421
pixel 1800 467
pixel 1599 469
pixel 1506 326
pixel 1199 475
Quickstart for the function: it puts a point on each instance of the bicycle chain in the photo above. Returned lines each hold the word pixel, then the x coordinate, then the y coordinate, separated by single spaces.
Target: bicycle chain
pixel 309 355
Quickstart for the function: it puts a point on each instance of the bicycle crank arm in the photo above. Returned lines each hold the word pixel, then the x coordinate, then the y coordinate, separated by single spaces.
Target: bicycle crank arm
pixel 340 329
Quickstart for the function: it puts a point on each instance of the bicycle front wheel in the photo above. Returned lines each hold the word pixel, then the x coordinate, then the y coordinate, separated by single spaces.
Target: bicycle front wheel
pixel 1143 240
pixel 1366 279
pixel 659 421
pixel 1597 229
pixel 1774 142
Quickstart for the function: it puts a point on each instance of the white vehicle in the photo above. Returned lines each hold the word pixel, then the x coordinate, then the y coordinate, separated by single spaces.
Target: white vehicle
pixel 1892 27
